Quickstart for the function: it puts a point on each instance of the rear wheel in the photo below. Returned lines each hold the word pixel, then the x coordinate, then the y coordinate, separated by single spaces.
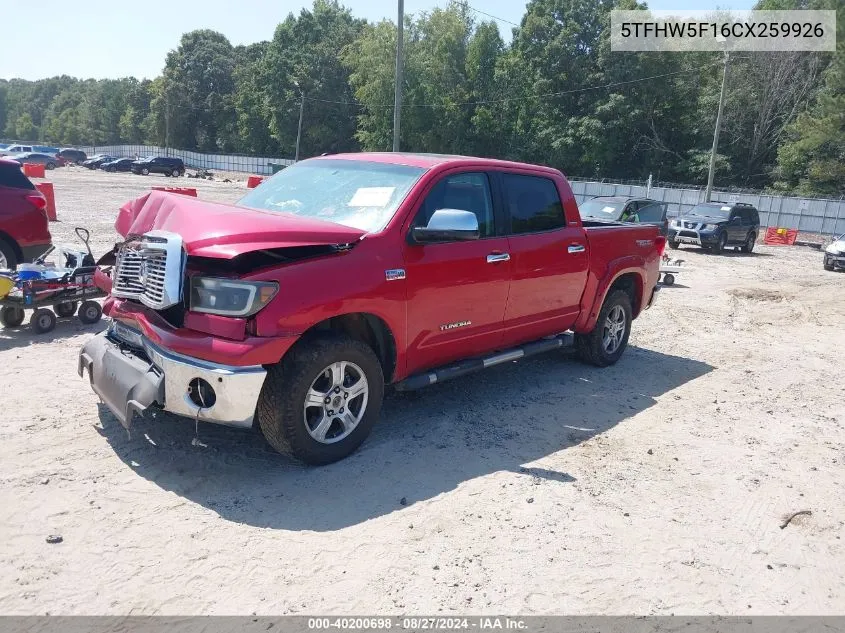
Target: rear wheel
pixel 609 338
pixel 320 403
pixel 11 316
pixel 65 308
pixel 50 165
pixel 748 245
pixel 90 312
pixel 177 173
pixel 8 257
pixel 42 321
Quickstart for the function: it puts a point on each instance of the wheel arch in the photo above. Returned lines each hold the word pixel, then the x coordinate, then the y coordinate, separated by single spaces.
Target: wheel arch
pixel 626 277
pixel 367 328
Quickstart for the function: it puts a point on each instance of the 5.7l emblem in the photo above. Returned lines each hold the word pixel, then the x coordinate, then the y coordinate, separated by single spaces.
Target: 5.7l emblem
pixel 456 324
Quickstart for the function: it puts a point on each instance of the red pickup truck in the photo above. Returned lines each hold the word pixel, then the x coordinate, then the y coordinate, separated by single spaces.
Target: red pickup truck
pixel 343 274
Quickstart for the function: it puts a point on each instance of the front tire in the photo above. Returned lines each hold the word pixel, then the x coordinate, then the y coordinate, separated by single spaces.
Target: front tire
pixel 145 172
pixel 609 338
pixel 321 401
pixel 90 312
pixel 719 248
pixel 674 245
pixel 42 321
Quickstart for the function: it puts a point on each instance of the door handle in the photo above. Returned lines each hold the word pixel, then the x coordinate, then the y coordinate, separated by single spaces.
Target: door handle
pixel 495 258
pixel 575 248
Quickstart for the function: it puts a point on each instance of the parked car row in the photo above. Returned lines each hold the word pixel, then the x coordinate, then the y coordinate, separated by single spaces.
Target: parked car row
pixel 166 165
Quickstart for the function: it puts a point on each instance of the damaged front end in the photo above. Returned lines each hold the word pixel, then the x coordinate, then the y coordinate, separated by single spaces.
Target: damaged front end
pixel 178 286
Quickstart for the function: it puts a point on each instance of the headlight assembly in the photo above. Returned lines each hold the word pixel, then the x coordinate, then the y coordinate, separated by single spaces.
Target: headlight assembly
pixel 230 297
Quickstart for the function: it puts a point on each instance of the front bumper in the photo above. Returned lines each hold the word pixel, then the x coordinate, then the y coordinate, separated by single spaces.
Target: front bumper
pixel 131 374
pixel 693 236
pixel 837 261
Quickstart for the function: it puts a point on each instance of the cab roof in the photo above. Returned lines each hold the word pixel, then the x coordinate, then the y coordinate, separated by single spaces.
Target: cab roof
pixel 429 161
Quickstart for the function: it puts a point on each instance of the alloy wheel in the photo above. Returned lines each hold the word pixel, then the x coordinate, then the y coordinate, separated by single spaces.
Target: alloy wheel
pixel 336 402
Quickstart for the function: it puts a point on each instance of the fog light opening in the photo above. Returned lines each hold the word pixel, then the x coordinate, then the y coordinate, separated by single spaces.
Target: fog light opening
pixel 201 393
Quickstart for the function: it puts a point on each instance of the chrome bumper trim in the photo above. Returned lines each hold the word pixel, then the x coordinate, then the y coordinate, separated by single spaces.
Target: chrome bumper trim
pixel 118 371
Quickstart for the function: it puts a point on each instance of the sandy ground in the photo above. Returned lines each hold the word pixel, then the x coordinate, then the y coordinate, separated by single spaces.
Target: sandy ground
pixel 656 486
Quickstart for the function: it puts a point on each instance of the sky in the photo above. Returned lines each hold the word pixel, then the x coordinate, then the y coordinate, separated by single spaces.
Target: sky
pixel 115 38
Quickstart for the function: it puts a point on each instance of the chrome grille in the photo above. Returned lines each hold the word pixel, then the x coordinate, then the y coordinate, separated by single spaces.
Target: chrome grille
pixel 149 269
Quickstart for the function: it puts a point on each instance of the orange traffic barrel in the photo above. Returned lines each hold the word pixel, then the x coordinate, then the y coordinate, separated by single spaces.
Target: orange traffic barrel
pixel 46 189
pixel 33 170
pixel 253 181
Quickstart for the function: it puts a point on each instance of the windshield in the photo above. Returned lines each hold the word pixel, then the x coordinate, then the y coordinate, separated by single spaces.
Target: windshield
pixel 602 209
pixel 360 194
pixel 711 211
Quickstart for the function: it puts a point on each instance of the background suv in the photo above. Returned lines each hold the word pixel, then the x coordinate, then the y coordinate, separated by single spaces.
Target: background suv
pixel 24 234
pixel 73 155
pixel 159 165
pixel 716 225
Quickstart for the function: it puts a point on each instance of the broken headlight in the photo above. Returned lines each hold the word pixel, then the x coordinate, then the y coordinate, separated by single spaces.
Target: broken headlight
pixel 230 297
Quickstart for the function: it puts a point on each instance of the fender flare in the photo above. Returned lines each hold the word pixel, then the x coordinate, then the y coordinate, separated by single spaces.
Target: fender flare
pixel 617 268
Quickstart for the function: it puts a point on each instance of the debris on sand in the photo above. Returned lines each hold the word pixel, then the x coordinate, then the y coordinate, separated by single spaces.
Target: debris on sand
pixel 787 519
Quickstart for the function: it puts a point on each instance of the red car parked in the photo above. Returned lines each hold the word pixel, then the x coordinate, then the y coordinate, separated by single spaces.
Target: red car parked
pixel 24 232
pixel 352 272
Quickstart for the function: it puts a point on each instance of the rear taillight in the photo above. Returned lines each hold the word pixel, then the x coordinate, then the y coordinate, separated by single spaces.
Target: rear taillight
pixel 660 243
pixel 37 200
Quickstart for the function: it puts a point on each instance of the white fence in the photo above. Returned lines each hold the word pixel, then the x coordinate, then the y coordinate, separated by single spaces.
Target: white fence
pixel 812 215
pixel 261 165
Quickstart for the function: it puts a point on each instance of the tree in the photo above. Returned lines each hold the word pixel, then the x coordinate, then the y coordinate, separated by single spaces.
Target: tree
pixel 813 158
pixel 304 59
pixel 25 129
pixel 196 93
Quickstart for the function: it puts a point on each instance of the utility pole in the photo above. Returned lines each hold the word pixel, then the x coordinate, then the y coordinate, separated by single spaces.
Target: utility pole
pixel 166 122
pixel 711 171
pixel 397 95
pixel 299 129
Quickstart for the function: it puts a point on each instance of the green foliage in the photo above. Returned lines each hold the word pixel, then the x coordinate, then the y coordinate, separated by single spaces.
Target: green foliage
pixel 556 94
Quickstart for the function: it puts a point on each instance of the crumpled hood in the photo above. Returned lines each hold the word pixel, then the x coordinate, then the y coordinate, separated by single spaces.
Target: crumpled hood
pixel 210 229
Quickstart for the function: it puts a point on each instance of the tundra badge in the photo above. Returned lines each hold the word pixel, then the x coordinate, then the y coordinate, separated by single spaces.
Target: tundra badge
pixel 456 324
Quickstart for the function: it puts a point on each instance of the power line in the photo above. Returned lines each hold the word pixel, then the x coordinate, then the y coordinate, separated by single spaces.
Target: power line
pixel 510 99
pixel 489 15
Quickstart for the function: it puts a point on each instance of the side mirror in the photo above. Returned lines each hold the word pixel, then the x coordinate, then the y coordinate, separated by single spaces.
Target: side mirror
pixel 448 225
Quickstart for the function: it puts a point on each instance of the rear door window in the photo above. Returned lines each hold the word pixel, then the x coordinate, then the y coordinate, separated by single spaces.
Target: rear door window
pixel 533 203
pixel 12 176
